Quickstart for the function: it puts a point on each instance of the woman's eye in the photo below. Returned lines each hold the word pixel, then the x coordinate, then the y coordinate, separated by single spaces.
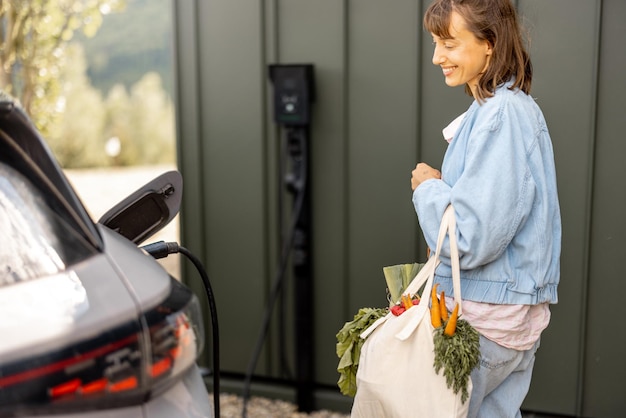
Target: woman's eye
pixel 446 45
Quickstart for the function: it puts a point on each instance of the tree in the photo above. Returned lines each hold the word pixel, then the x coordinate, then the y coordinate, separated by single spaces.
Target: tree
pixel 76 137
pixel 153 113
pixel 34 35
pixel 142 121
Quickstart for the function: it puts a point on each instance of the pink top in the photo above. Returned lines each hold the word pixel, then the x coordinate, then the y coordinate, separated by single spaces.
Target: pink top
pixel 512 326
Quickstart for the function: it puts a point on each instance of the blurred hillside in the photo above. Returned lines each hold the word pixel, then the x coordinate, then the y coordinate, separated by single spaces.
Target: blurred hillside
pixel 130 44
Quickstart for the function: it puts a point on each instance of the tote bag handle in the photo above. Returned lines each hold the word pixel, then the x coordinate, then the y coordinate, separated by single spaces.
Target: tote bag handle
pixel 448 226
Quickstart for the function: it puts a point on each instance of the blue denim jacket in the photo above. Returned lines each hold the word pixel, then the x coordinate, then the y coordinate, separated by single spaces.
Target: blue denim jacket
pixel 498 173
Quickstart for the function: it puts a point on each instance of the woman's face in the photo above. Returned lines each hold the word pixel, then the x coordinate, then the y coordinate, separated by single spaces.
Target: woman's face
pixel 463 57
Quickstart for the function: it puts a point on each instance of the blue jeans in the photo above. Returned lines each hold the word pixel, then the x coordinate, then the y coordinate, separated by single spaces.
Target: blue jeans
pixel 501 382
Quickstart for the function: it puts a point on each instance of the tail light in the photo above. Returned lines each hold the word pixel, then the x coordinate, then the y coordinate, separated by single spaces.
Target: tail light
pixel 123 366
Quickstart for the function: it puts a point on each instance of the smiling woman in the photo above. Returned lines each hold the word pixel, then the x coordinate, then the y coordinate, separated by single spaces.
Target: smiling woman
pixel 499 175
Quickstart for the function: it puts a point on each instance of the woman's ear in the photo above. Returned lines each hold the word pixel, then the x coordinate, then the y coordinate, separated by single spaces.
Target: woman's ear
pixel 489 48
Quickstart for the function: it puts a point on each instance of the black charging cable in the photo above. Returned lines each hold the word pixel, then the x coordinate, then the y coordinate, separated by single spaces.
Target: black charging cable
pixel 162 249
pixel 297 182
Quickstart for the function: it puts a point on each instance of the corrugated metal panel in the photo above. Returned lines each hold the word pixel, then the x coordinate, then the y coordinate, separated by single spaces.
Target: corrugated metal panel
pixel 564 52
pixel 604 361
pixel 380 109
pixel 382 144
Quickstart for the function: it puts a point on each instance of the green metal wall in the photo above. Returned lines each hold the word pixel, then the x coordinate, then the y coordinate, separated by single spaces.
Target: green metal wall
pixel 380 109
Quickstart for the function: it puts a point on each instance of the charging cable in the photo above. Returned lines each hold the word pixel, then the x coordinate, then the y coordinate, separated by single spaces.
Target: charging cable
pixel 162 249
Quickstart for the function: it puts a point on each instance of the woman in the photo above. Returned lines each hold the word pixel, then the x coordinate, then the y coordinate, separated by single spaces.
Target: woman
pixel 498 173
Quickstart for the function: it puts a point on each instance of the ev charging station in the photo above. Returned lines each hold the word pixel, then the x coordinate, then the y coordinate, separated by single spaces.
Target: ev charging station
pixel 294 94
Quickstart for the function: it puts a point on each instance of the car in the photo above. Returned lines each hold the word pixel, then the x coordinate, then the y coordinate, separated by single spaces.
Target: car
pixel 91 325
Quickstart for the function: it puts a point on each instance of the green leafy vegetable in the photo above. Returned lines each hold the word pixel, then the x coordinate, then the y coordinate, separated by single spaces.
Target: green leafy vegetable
pixel 349 345
pixel 458 355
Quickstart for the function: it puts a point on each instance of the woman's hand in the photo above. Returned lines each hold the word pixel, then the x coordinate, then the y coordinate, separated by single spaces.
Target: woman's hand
pixel 423 172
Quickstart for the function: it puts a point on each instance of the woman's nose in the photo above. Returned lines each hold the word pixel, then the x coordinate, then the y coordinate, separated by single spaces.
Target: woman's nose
pixel 437 56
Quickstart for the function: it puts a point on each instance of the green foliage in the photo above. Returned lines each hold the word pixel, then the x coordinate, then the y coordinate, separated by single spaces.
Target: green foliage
pixel 76 136
pixel 47 70
pixel 457 355
pixel 349 345
pixel 143 121
pixel 33 46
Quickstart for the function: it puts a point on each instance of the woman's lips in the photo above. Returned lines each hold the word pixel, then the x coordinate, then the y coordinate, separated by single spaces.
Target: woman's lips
pixel 447 70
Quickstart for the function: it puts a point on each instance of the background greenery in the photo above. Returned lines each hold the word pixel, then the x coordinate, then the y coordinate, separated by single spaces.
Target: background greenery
pixel 128 79
pixel 130 43
pixel 95 76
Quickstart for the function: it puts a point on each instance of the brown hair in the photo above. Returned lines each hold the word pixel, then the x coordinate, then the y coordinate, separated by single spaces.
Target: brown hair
pixel 496 22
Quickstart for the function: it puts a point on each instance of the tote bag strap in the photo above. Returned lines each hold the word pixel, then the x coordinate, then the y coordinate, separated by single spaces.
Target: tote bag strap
pixel 422 277
pixel 454 260
pixel 450 223
pixel 448 227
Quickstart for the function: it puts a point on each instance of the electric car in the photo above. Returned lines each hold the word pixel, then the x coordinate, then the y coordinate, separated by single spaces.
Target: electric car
pixel 90 324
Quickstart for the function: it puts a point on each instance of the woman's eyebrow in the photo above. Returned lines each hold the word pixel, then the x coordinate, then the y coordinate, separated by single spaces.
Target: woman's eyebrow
pixel 443 39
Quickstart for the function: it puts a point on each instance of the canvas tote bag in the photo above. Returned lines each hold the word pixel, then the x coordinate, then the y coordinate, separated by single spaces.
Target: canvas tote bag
pixel 395 376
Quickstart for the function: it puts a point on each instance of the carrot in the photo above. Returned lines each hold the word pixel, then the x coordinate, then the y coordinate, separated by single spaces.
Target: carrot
pixel 451 325
pixel 435 310
pixel 442 305
pixel 406 301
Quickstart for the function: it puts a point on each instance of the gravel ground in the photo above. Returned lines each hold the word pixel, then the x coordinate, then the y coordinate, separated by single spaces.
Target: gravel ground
pixel 231 407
